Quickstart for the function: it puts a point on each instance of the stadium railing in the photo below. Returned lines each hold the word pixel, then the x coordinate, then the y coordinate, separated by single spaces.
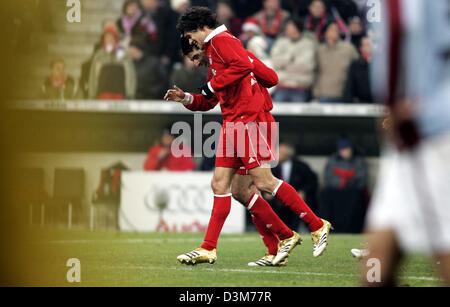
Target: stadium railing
pixel 162 107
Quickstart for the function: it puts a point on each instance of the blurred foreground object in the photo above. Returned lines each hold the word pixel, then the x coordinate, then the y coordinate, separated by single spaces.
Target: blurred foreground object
pixel 411 74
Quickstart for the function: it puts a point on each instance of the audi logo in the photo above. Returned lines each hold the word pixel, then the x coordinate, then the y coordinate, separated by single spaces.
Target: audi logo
pixel 189 199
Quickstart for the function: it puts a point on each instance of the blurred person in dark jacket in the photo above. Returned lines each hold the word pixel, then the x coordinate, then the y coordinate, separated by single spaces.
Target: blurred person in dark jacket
pixel 151 74
pixel 358 86
pixel 344 198
pixel 128 23
pixel 317 18
pixel 226 15
pixel 356 29
pixel 298 174
pixel 59 85
pixel 177 8
pixel 188 76
pixel 157 29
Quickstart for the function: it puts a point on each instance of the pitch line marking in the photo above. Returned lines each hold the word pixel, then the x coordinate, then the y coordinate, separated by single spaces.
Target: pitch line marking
pixel 259 271
pixel 148 240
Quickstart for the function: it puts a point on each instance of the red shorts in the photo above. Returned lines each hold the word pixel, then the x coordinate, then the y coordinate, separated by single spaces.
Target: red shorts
pixel 247 145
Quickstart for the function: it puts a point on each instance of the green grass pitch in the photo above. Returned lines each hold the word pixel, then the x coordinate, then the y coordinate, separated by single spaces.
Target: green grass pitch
pixel 130 259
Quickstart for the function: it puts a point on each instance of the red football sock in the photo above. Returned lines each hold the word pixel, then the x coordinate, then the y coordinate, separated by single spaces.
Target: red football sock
pixel 261 209
pixel 221 209
pixel 289 196
pixel 269 238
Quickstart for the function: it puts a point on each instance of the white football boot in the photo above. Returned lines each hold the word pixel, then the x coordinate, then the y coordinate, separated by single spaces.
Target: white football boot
pixel 320 238
pixel 285 247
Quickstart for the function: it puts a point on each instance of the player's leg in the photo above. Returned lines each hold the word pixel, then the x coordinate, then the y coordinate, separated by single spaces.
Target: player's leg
pixel 443 261
pixel 243 189
pixel 265 181
pixel 384 257
pixel 221 186
pixel 263 135
pixel 262 211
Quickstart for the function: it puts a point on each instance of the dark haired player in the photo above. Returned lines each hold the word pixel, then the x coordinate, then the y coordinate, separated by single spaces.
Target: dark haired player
pixel 233 83
pixel 242 185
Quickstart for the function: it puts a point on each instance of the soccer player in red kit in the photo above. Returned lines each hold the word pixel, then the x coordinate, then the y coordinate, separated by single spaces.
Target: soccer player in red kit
pixel 241 102
pixel 242 185
pixel 242 188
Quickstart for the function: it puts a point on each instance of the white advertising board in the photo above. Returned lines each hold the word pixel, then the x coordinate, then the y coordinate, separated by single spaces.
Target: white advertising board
pixel 172 201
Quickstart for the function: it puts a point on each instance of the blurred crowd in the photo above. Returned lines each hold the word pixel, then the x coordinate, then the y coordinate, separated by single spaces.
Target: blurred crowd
pixel 320 49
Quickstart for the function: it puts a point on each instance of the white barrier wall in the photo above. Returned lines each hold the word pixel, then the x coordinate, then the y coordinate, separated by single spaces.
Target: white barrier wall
pixel 171 201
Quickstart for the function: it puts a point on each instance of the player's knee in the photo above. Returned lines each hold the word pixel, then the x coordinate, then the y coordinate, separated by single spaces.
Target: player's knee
pixel 236 193
pixel 260 184
pixel 239 194
pixel 265 184
pixel 219 187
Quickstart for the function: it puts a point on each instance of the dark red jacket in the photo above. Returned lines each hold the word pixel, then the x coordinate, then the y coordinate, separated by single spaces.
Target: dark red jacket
pixel 170 163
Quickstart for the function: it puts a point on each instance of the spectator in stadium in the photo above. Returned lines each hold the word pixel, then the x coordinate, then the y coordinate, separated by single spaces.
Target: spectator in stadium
pixel 83 82
pixel 358 86
pixel 157 29
pixel 226 15
pixel 294 59
pixel 178 7
pixel 317 18
pixel 127 24
pixel 151 74
pixel 188 76
pixel 59 85
pixel 295 7
pixel 356 28
pixel 208 3
pixel 112 73
pixel 255 41
pixel 272 18
pixel 161 158
pixel 298 174
pixel 344 198
pixel 246 8
pixel 334 59
pixel 345 8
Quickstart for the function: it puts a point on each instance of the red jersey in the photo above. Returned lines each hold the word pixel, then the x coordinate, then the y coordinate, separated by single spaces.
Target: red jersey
pixel 265 76
pixel 231 78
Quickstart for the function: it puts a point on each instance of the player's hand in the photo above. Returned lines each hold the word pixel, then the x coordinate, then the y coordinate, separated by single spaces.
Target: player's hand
pixel 175 94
